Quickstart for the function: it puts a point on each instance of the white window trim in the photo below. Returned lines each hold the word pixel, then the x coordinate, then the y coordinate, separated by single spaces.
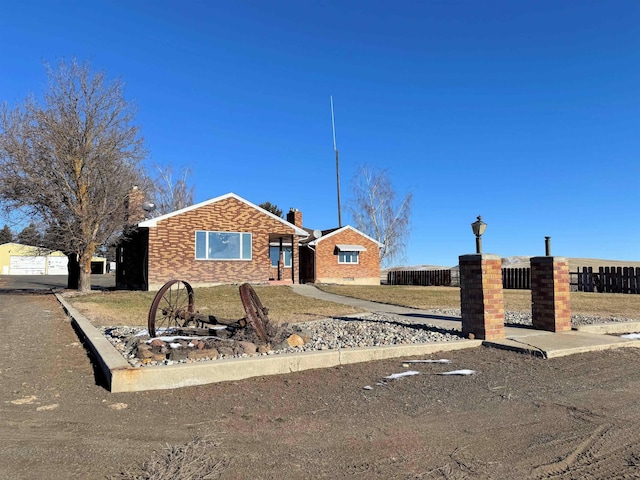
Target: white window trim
pixel 207 232
pixel 357 255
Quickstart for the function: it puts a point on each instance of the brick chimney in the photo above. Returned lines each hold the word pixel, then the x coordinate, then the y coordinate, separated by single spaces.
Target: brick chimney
pixel 295 216
pixel 133 206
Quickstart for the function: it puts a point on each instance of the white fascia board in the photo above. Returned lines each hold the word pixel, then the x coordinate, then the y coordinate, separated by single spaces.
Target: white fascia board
pixel 315 242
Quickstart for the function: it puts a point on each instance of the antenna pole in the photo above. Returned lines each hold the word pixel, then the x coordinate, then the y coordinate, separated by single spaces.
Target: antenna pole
pixel 335 149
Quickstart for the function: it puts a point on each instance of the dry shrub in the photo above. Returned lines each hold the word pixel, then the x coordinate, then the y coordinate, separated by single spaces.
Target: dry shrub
pixel 191 461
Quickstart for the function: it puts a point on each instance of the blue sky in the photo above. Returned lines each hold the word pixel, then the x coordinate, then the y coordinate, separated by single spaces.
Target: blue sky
pixel 526 112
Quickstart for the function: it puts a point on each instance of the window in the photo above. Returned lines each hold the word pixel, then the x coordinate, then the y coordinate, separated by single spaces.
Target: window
pixel 348 257
pixel 223 246
pixel 349 253
pixel 274 254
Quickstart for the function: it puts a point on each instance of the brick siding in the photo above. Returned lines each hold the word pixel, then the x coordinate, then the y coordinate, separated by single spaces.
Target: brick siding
pixel 550 294
pixel 481 296
pixel 172 245
pixel 328 270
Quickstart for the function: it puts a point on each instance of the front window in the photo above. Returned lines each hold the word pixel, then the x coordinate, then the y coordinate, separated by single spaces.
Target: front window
pixel 223 246
pixel 348 257
pixel 274 254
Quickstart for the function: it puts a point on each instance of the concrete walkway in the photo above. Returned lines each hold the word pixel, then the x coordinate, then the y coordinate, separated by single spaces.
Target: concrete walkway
pixel 522 339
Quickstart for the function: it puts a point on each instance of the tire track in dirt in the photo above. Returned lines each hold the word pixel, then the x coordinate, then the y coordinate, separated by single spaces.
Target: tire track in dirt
pixel 561 466
pixel 610 450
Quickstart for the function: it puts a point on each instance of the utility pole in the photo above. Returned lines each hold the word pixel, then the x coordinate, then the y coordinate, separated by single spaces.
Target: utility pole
pixel 335 149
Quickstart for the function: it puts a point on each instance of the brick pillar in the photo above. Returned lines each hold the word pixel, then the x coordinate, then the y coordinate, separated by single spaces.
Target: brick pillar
pixel 481 298
pixel 550 294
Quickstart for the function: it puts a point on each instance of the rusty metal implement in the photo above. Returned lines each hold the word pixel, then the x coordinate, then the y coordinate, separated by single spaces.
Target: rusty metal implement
pixel 173 308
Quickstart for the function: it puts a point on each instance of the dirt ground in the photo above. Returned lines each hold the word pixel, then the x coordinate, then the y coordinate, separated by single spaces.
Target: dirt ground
pixel 517 417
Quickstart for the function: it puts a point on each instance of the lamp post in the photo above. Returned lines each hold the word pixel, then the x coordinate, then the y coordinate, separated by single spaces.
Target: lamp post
pixel 478 228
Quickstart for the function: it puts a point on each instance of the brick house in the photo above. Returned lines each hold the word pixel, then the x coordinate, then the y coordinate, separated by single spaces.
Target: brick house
pixel 228 239
pixel 339 255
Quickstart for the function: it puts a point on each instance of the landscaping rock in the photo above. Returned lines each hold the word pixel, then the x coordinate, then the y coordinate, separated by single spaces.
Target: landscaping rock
pixel 295 340
pixel 178 354
pixel 264 348
pixel 202 354
pixel 225 351
pixel 143 351
pixel 248 347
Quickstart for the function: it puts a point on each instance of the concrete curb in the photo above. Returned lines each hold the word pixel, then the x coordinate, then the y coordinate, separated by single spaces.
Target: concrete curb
pixel 608 328
pixel 591 348
pixel 122 377
pixel 546 352
pixel 515 346
pixel 108 359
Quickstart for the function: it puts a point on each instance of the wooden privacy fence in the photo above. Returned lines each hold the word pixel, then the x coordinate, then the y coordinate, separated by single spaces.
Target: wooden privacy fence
pixel 419 277
pixel 606 279
pixel 513 278
pixel 585 279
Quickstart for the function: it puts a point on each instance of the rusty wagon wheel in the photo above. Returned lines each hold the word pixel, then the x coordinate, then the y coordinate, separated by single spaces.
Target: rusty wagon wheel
pixel 172 307
pixel 256 313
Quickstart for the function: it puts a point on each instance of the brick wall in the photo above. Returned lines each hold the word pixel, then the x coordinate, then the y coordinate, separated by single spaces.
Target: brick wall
pixel 481 296
pixel 172 245
pixel 550 294
pixel 328 270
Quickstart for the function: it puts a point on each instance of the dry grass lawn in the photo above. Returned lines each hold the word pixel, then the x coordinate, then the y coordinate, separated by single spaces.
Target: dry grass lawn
pixel 132 308
pixel 600 304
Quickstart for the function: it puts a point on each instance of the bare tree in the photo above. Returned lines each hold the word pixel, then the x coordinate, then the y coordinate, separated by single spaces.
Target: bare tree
pixel 377 213
pixel 70 160
pixel 171 195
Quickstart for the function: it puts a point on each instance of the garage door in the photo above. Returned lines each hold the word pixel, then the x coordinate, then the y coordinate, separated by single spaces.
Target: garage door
pixel 19 265
pixel 57 265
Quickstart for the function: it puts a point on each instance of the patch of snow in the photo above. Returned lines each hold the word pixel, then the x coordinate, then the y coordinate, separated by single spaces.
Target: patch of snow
pixel 632 336
pixel 408 373
pixel 458 372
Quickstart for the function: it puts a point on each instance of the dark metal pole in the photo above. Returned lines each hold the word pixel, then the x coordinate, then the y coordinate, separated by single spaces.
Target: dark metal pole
pixel 335 148
pixel 547 246
pixel 478 244
pixel 338 183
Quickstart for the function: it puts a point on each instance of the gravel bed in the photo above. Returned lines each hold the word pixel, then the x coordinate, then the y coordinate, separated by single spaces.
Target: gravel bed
pixel 524 318
pixel 371 330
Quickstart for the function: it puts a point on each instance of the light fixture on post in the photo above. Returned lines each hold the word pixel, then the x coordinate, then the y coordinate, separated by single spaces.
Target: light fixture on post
pixel 478 228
